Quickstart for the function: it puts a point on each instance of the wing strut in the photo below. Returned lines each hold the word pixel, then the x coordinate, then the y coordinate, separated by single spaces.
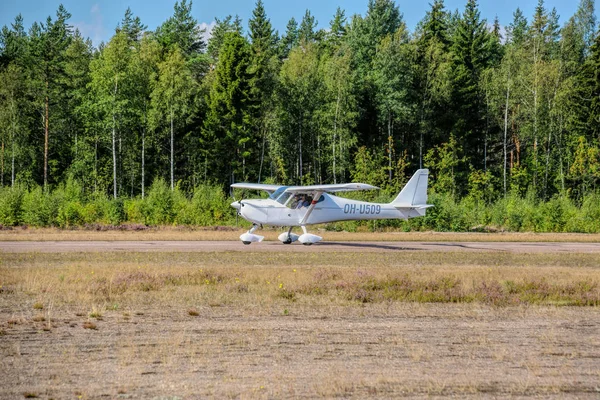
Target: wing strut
pixel 316 198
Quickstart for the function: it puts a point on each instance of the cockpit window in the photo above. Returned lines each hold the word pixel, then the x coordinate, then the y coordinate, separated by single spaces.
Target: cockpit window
pixel 299 200
pixel 283 198
pixel 277 193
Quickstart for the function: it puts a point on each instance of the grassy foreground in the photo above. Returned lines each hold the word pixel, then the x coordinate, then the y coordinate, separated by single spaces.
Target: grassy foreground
pixel 113 281
pixel 281 325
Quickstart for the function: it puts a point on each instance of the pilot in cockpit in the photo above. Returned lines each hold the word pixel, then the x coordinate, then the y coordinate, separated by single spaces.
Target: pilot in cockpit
pixel 298 201
pixel 307 201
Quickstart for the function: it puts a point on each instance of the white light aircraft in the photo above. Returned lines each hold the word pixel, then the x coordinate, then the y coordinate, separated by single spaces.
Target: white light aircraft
pixel 295 206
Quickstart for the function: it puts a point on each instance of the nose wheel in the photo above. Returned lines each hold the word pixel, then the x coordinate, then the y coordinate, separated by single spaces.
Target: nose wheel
pixel 249 237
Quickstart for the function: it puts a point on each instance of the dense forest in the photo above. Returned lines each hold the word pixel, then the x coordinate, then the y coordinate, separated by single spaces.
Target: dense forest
pixel 154 125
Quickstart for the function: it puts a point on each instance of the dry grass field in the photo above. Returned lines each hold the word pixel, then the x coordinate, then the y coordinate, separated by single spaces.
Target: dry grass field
pixel 274 325
pixel 229 233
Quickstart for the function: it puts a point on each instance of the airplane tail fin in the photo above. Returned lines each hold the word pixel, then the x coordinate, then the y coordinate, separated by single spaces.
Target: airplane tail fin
pixel 414 194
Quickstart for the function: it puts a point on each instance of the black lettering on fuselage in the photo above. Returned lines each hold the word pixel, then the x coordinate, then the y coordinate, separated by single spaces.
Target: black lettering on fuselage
pixel 362 209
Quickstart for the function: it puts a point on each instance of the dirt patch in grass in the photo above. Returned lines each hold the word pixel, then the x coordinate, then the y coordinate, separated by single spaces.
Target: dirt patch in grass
pixel 272 325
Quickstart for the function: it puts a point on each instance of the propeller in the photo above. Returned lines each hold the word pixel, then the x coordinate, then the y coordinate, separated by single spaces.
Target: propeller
pixel 237 205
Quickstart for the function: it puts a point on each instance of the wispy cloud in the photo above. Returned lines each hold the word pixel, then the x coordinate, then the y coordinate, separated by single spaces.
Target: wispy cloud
pixel 208 27
pixel 95 28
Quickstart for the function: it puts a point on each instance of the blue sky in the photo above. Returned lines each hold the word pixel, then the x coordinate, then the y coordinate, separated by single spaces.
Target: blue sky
pixel 97 19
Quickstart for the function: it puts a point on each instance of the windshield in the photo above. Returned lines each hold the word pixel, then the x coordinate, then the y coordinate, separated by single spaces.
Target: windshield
pixel 283 198
pixel 280 195
pixel 277 193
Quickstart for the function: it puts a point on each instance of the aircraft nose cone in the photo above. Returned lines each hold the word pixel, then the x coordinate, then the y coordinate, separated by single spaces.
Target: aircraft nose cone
pixel 236 205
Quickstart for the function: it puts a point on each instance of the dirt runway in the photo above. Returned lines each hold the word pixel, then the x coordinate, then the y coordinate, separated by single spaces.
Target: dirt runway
pixel 224 246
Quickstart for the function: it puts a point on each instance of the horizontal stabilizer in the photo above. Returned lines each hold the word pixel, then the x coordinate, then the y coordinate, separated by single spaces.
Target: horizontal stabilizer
pixel 415 206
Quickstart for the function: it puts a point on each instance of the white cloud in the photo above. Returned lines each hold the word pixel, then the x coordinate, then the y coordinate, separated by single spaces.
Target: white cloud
pixel 208 27
pixel 94 29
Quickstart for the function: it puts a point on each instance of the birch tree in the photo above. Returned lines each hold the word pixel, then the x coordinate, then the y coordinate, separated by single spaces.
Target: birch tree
pixel 171 99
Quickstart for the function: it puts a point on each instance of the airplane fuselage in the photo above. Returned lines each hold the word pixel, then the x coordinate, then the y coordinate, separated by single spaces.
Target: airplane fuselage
pixel 329 208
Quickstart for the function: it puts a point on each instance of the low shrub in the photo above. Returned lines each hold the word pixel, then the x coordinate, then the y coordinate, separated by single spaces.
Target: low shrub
pixel 207 205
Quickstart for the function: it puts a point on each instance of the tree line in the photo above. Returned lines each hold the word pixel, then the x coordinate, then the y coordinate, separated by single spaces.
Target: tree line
pixel 492 111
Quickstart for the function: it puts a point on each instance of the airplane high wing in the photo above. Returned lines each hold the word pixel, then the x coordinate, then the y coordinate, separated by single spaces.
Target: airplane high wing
pixel 342 187
pixel 298 206
pixel 256 186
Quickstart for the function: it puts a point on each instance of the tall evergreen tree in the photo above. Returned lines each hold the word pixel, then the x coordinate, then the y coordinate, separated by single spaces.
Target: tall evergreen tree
pixel 262 72
pixel 218 34
pixel 132 26
pixel 47 58
pixel 182 30
pixel 306 32
pixel 337 29
pixel 432 84
pixel 77 77
pixel 290 39
pixel 13 43
pixel 587 98
pixel 471 51
pixel 435 26
pixel 517 29
pixel 12 137
pixel 225 129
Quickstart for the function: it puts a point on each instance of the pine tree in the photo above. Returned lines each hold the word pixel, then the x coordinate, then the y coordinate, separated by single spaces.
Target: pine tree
pixel 383 18
pixel 260 30
pixel 218 34
pixel 587 97
pixel 306 32
pixel 77 77
pixel 290 39
pixel 435 25
pixel 13 43
pixel 12 98
pixel 517 29
pixel 132 26
pixel 262 71
pixel 337 29
pixel 225 129
pixel 432 83
pixel 182 30
pixel 46 57
pixel 471 51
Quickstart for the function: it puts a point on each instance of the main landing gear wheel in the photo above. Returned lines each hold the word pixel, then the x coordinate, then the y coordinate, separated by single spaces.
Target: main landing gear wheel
pixel 246 243
pixel 289 237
